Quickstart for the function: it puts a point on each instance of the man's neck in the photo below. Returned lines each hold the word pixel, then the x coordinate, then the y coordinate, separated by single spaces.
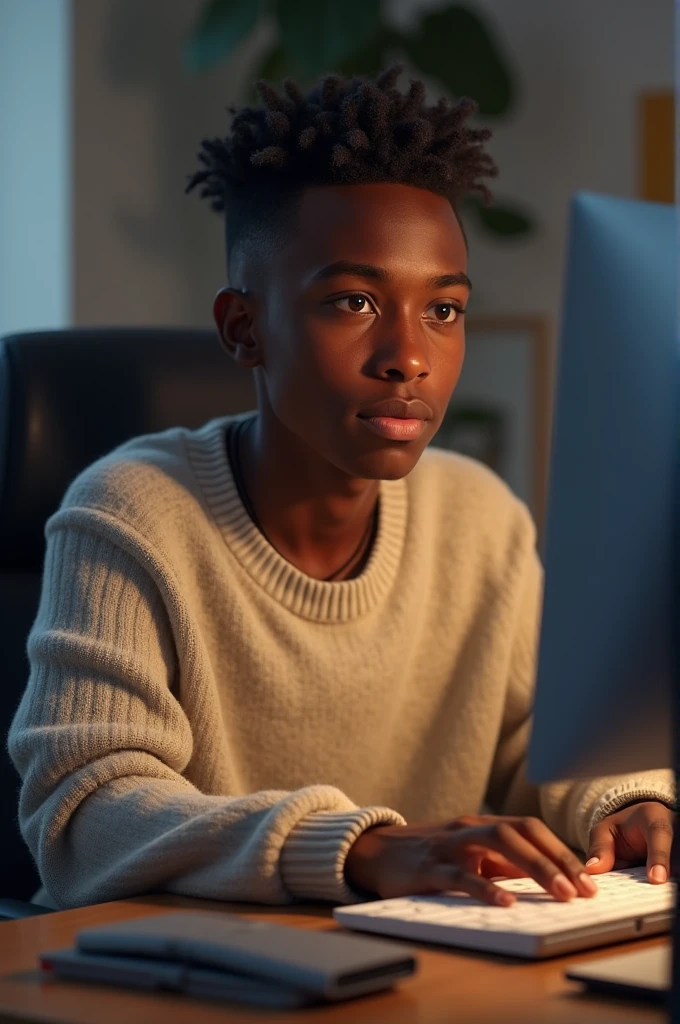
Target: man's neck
pixel 313 515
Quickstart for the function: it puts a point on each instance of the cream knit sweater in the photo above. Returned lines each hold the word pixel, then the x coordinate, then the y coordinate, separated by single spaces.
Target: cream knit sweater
pixel 203 718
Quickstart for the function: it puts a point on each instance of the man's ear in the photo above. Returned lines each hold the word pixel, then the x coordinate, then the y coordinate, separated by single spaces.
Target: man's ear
pixel 233 310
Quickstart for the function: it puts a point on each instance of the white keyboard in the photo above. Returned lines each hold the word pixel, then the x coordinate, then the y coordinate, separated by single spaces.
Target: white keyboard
pixel 627 906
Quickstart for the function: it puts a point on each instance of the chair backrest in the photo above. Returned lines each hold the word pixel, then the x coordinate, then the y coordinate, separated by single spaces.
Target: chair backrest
pixel 66 398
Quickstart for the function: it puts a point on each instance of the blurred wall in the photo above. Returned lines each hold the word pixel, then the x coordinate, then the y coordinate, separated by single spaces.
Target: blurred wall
pixel 148 254
pixel 35 164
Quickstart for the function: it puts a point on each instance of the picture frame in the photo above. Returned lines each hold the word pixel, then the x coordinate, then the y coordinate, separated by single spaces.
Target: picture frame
pixel 501 410
pixel 656 146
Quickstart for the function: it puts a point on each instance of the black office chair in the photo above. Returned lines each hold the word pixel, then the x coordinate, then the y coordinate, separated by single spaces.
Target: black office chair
pixel 66 398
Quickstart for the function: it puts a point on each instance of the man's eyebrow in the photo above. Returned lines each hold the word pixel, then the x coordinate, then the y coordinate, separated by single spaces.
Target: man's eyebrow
pixel 367 270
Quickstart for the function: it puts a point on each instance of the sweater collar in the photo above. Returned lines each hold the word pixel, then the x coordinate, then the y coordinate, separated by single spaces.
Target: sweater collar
pixel 317 600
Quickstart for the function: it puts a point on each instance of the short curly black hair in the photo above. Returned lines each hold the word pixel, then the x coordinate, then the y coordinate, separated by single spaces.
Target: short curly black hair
pixel 356 131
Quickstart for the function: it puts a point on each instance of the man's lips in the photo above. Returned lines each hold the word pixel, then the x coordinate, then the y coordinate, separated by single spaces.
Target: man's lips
pixel 397 408
pixel 396 419
pixel 395 428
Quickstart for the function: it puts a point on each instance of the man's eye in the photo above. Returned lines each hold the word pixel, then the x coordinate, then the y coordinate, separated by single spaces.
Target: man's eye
pixel 356 304
pixel 445 312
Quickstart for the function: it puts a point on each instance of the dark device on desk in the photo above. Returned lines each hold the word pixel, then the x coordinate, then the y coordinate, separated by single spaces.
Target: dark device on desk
pixel 209 953
pixel 609 666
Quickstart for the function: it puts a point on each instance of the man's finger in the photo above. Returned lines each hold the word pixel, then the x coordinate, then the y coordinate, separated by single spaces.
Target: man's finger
pixel 659 841
pixel 494 865
pixel 504 838
pixel 540 836
pixel 601 849
pixel 449 877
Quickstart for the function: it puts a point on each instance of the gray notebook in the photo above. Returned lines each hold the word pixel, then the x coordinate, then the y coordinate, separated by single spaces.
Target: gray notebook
pixel 329 964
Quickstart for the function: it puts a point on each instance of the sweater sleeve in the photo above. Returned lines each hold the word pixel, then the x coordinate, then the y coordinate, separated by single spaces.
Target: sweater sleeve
pixel 570 808
pixel 101 742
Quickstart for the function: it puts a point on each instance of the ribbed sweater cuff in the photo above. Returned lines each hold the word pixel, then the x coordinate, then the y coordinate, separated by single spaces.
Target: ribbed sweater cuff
pixel 313 857
pixel 626 792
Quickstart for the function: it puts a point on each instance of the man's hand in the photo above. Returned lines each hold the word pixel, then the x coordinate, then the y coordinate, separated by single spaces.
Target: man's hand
pixel 635 834
pixel 463 856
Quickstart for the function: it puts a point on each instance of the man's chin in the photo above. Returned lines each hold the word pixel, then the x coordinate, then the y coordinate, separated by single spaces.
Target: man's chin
pixel 389 464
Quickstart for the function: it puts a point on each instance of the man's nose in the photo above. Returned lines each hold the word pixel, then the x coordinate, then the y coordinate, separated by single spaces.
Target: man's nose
pixel 402 353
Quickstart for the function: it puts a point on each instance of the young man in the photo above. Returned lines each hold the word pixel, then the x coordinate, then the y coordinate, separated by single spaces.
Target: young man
pixel 264 645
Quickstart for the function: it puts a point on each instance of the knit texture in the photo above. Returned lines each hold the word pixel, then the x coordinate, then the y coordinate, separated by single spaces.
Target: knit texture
pixel 203 718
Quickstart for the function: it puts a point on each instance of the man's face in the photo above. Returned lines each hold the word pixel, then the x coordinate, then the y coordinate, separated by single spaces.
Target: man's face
pixel 334 342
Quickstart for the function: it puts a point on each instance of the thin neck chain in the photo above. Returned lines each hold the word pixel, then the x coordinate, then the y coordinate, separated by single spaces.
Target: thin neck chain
pixel 234 434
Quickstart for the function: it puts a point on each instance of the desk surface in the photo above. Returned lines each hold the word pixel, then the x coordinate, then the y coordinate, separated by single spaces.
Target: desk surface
pixel 450 986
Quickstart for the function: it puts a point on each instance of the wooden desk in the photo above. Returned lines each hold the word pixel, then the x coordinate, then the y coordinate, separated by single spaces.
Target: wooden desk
pixel 449 987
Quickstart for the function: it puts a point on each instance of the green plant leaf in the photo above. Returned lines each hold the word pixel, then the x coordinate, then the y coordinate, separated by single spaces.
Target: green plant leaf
pixel 221 28
pixel 320 34
pixel 276 65
pixel 506 219
pixel 371 59
pixel 455 46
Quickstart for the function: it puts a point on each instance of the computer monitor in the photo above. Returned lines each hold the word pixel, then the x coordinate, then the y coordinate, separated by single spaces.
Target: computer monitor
pixel 606 668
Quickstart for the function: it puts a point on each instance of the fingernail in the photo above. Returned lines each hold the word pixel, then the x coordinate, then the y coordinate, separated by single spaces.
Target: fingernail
pixel 658 873
pixel 563 887
pixel 503 899
pixel 587 882
pixel 593 860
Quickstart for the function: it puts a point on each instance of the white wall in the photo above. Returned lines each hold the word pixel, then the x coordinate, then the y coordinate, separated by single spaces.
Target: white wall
pixel 146 253
pixel 35 164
